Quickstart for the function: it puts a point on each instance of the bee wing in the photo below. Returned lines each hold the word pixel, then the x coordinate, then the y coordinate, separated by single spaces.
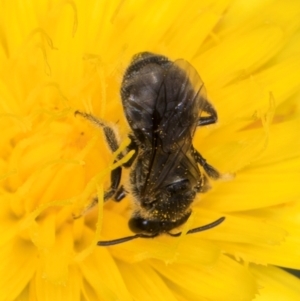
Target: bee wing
pixel 181 99
pixel 179 103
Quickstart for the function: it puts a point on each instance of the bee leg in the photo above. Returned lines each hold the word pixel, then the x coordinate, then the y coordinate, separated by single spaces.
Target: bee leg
pixel 115 179
pixel 115 192
pixel 109 194
pixel 120 194
pixel 132 146
pixel 205 186
pixel 109 133
pixel 210 170
pixel 212 118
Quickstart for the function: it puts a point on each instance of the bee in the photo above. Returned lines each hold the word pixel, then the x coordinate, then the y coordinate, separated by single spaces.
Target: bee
pixel 163 102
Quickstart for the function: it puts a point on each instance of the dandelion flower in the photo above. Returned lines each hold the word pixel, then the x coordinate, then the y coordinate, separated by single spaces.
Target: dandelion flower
pixel 57 57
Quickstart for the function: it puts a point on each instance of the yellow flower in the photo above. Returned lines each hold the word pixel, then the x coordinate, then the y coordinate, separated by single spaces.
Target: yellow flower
pixel 57 57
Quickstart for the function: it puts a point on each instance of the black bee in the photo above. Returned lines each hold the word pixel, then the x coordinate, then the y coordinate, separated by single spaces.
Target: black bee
pixel 163 102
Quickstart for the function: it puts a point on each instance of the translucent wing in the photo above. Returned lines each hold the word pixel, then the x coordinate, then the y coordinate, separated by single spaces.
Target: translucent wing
pixel 178 106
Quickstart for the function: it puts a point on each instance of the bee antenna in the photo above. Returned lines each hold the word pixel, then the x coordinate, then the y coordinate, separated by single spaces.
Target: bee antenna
pixel 202 228
pixel 105 243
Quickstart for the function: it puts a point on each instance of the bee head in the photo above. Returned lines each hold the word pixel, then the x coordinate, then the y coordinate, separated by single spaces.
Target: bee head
pixel 138 224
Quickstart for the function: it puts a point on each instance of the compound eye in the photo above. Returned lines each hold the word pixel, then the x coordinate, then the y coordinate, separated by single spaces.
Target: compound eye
pixel 140 225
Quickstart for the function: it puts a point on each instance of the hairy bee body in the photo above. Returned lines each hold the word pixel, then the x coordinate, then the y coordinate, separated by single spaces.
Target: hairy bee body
pixel 163 102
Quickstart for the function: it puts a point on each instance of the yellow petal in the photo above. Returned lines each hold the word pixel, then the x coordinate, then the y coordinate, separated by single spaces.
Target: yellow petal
pixel 210 282
pixel 18 265
pixel 272 252
pixel 275 284
pixel 55 259
pixel 240 228
pixel 48 291
pixel 257 187
pixel 144 283
pixel 103 277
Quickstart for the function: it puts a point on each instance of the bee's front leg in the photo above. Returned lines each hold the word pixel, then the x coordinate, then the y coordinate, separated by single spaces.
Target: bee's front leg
pixel 210 170
pixel 212 118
